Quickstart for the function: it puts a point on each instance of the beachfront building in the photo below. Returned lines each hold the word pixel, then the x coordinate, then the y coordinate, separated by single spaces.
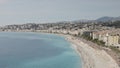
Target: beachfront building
pixel 87 33
pixel 109 37
pixel 64 31
pixel 90 33
pixel 74 32
pixel 100 35
pixel 113 40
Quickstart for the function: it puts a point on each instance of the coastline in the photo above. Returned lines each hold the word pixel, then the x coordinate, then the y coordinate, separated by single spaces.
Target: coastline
pixel 91 57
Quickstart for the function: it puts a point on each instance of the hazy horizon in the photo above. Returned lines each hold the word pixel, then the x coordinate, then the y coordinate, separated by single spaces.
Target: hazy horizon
pixel 40 11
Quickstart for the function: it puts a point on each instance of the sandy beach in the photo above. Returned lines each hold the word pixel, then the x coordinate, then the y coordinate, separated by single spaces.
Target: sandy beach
pixel 92 57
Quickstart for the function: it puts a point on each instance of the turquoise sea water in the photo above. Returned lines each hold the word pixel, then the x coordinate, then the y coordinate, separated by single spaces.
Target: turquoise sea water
pixel 36 50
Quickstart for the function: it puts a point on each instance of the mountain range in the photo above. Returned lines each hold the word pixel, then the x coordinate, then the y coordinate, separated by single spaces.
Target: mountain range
pixel 102 19
pixel 108 19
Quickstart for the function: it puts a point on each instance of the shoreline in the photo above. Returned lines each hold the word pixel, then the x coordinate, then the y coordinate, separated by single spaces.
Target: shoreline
pixel 91 57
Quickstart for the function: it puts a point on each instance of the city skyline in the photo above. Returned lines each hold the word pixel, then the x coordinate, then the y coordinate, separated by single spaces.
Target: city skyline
pixel 40 11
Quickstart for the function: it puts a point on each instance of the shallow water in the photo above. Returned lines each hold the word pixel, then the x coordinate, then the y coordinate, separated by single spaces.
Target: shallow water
pixel 36 50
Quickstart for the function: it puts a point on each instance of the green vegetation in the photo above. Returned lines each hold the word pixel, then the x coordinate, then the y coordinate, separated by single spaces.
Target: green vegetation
pixel 115 49
pixel 115 24
pixel 99 42
pixel 87 37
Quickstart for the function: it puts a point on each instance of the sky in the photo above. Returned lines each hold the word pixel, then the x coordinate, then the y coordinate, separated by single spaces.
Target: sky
pixel 46 11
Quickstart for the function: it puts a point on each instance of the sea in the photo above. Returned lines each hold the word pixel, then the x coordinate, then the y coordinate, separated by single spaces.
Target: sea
pixel 36 50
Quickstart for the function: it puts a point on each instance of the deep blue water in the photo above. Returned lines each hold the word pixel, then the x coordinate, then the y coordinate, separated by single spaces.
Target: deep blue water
pixel 36 50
